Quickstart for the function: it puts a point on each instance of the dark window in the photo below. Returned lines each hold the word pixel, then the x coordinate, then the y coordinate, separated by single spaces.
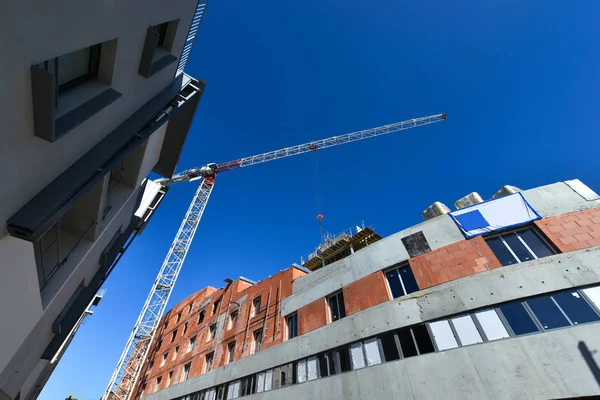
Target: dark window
pixel 185 326
pixel 344 356
pixel 326 364
pixel 192 343
pixel 190 308
pixel 215 307
pixel 248 385
pixel 201 316
pixel 174 335
pixel 547 312
pixel 258 337
pixel 178 317
pixel 282 378
pixel 73 69
pixel 424 343
pixel 232 319
pixel 186 371
pixel 292 326
pixel 256 305
pixel 407 343
pixel 162 32
pixel 209 361
pixel 401 281
pixel 221 392
pixel 337 309
pixel 518 318
pixel 230 352
pixel 519 246
pixel 576 308
pixel 390 349
pixel 213 331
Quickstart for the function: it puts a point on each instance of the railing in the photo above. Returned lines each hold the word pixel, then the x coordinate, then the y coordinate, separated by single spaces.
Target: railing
pixel 191 37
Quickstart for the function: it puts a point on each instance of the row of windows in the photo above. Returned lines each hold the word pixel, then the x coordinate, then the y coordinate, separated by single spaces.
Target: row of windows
pixel 516 318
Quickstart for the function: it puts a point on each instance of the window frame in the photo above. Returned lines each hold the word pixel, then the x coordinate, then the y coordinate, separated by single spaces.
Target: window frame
pixel 257 345
pixel 192 344
pixel 93 66
pixel 230 352
pixel 337 294
pixel 517 232
pixel 212 332
pixel 187 368
pixel 398 267
pixel 256 309
pixel 291 318
pixel 208 365
pixel 201 316
pixel 173 335
pixel 233 316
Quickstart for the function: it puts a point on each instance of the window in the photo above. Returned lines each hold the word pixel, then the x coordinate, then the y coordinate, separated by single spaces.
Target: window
pixel 518 318
pixel 201 316
pixel 230 352
pixel 327 364
pixel 186 371
pixel 264 381
pixel 401 281
pixel 143 389
pixel 248 385
pixel 256 306
pixel 212 332
pixel 232 319
pixel 337 309
pixel 209 362
pixel 170 377
pixel 215 307
pixel 192 344
pixel 365 353
pixel 162 32
pixel 164 360
pixel 292 326
pixel 185 326
pixel 73 69
pixel 389 346
pixel 159 344
pixel 492 326
pixel 175 353
pixel 174 335
pixel 190 308
pixel 443 335
pixel 307 369
pixel 519 246
pixel 257 343
pixel 158 380
pixel 466 330
pixel 178 317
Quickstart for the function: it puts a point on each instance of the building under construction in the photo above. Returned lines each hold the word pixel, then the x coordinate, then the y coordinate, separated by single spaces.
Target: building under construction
pixel 497 299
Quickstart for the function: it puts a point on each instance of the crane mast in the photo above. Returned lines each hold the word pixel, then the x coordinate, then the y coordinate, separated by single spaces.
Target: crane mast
pixel 126 374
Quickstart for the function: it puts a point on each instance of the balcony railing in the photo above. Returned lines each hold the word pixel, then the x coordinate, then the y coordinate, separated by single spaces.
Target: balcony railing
pixel 191 37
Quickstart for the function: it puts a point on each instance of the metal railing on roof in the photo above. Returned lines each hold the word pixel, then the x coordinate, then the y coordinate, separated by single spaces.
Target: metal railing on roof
pixel 191 37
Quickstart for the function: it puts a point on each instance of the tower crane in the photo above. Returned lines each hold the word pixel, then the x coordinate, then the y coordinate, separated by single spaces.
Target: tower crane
pixel 127 371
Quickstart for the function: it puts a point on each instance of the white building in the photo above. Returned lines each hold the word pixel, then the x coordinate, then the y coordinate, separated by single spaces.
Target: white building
pixel 94 98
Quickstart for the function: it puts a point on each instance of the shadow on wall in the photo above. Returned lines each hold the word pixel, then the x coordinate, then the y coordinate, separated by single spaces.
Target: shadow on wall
pixel 589 359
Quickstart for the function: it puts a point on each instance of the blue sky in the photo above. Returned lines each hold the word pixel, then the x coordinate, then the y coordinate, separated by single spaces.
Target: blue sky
pixel 520 82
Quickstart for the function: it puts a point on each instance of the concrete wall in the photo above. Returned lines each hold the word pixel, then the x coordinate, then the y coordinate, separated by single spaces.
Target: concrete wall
pixel 561 271
pixel 556 199
pixel 439 232
pixel 543 366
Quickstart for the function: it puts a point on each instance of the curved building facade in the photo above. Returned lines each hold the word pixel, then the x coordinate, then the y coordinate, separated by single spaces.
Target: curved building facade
pixel 494 301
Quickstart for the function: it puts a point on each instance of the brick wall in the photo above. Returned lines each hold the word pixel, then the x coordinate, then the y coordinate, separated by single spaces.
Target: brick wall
pixel 312 316
pixel 452 262
pixel 366 292
pixel 573 231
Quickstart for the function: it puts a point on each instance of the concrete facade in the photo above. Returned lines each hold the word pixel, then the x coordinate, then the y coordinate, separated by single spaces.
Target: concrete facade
pixel 65 189
pixel 548 363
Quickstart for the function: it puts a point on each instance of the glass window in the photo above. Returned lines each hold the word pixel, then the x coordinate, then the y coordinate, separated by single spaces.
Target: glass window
pixel 501 251
pixel 344 357
pixel 390 349
pixel 75 68
pixel 212 332
pixel 594 295
pixel 466 330
pixel 372 351
pixel 301 370
pixel 518 319
pixel 292 326
pixel 535 243
pixel 209 361
pixel 424 343
pixel 356 355
pixel 492 325
pixel 576 308
pixel 257 344
pixel 336 306
pixel 232 319
pixel 215 307
pixel 401 281
pixel 230 352
pixel 269 379
pixel 311 367
pixel 443 335
pixel 186 371
pixel 407 343
pixel 201 316
pixel 174 335
pixel 326 364
pixel 547 312
pixel 162 32
pixel 256 305
pixel 512 240
pixel 192 343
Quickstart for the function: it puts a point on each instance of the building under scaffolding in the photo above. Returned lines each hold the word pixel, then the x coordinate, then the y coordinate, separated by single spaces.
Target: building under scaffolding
pixel 336 247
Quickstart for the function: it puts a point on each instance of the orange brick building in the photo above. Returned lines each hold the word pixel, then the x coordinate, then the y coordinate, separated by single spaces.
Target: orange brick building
pixel 427 289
